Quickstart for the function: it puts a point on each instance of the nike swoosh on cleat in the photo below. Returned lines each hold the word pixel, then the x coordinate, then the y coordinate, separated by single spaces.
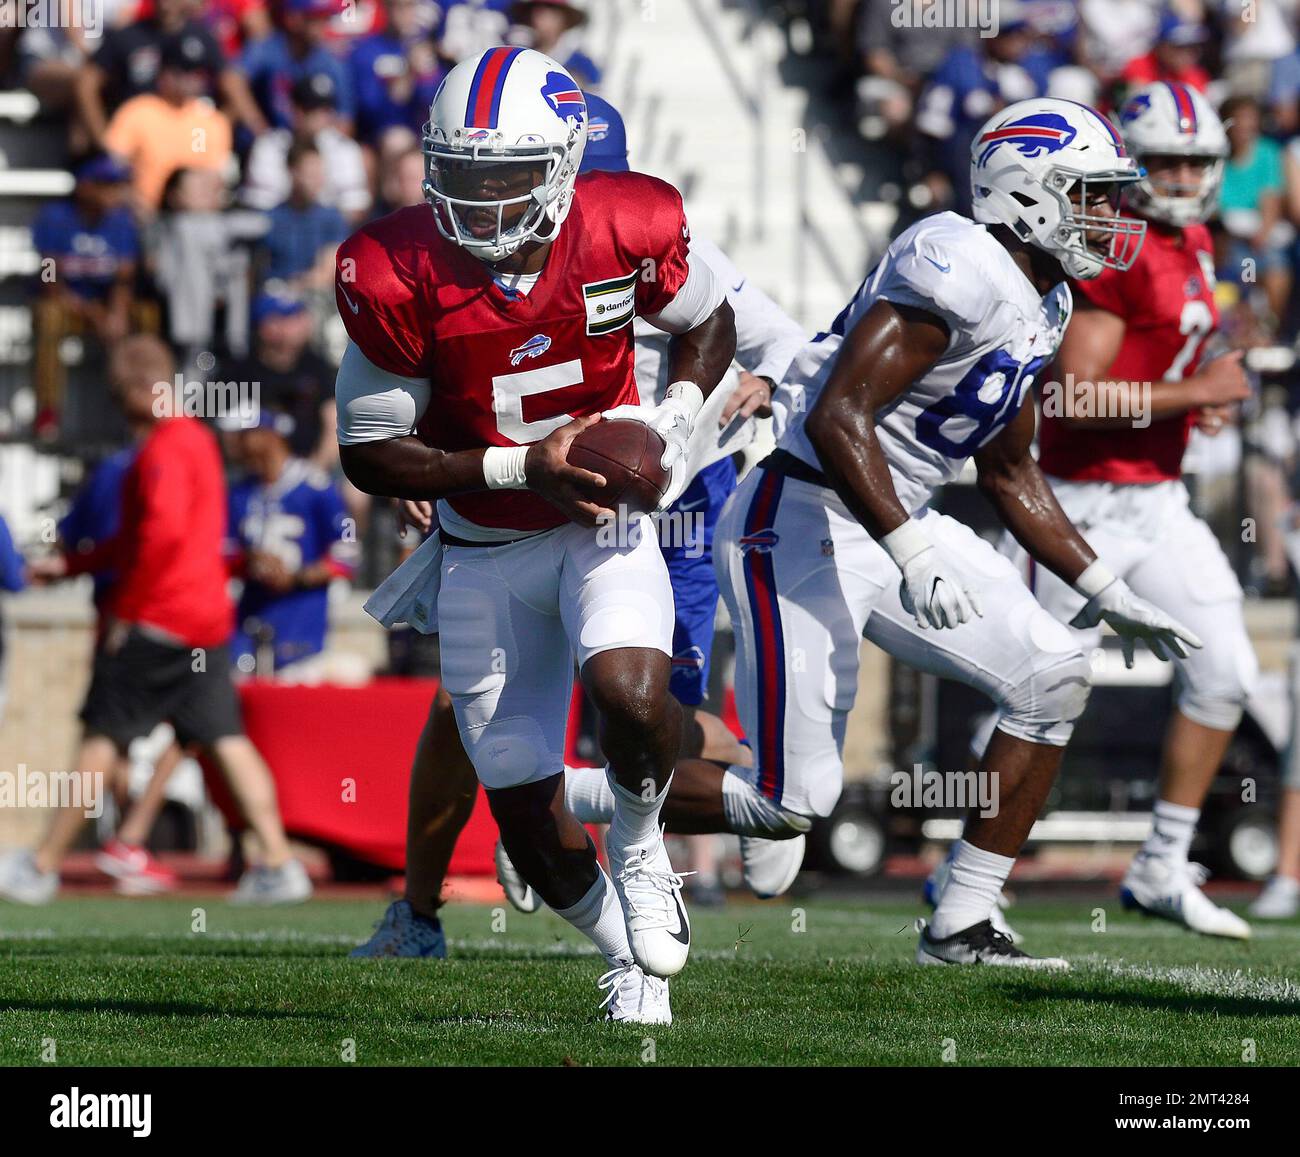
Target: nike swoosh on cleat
pixel 683 933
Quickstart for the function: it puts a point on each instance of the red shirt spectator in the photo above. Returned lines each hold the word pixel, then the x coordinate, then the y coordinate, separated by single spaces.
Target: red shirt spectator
pixel 168 551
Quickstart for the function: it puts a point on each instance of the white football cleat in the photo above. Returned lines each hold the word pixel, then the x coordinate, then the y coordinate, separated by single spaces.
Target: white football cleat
pixel 1172 890
pixel 937 881
pixel 287 884
pixel 518 891
pixel 981 944
pixel 770 866
pixel 23 883
pixel 651 895
pixel 1280 899
pixel 634 997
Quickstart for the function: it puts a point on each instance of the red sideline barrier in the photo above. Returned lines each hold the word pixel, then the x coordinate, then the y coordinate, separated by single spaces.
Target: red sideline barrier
pixel 315 739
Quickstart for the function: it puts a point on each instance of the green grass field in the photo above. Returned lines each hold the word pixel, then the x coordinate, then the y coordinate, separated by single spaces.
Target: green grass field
pixel 119 982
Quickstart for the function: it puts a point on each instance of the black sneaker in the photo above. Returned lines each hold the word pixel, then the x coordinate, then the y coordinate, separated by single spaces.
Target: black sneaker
pixel 980 944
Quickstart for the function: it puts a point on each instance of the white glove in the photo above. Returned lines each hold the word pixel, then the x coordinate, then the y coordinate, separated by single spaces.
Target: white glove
pixel 1111 600
pixel 933 587
pixel 673 420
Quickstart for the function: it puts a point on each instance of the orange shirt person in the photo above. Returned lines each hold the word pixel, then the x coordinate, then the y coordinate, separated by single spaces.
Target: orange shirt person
pixel 176 127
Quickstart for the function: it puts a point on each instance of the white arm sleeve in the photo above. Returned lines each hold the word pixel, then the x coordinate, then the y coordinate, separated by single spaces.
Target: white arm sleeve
pixel 700 294
pixel 373 404
pixel 767 338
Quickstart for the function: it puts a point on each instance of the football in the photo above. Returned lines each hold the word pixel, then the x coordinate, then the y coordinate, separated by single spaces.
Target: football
pixel 627 454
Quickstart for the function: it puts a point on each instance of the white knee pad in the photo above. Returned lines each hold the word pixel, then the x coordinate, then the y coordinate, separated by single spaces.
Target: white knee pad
pixel 750 813
pixel 510 752
pixel 1042 708
pixel 1213 686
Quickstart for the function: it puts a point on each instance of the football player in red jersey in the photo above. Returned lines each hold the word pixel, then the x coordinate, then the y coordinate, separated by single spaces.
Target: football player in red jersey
pixel 485 336
pixel 1114 456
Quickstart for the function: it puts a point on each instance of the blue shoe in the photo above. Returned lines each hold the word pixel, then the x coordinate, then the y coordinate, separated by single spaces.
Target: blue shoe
pixel 404 932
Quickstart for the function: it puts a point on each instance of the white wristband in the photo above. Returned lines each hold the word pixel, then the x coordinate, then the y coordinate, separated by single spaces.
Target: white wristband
pixel 503 467
pixel 905 542
pixel 1095 579
pixel 688 393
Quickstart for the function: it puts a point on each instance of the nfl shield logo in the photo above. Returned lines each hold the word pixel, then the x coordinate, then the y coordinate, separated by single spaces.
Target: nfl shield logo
pixel 828 548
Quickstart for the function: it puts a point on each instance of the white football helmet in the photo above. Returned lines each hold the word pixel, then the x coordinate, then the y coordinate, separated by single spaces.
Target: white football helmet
pixel 1038 164
pixel 1169 119
pixel 504 111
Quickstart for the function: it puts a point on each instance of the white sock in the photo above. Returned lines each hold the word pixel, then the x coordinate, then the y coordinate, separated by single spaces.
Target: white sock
pixel 977 878
pixel 1172 828
pixel 635 818
pixel 599 916
pixel 587 794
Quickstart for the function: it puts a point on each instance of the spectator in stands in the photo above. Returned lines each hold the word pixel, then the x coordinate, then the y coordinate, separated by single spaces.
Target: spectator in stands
pixel 274 64
pixel 401 180
pixel 89 248
pixel 1284 93
pixel 471 26
pixel 202 260
pixel 294 379
pixel 165 654
pixel 1256 35
pixel 290 536
pixel 1113 32
pixel 974 81
pixel 298 249
pixel 176 128
pixel 50 60
pixel 1176 55
pixel 236 23
pixel 130 60
pixel 1251 204
pixel 897 61
pixel 345 187
pixel 552 27
pixel 396 72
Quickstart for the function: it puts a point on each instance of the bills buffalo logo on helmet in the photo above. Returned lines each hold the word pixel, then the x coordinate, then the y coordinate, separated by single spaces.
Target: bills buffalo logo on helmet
pixel 564 97
pixel 1043 132
pixel 1135 108
pixel 534 347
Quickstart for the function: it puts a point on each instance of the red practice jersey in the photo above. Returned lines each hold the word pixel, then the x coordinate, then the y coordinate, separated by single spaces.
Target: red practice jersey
pixel 505 369
pixel 1167 303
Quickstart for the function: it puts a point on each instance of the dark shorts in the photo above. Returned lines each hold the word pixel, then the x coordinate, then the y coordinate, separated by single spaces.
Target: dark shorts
pixel 146 682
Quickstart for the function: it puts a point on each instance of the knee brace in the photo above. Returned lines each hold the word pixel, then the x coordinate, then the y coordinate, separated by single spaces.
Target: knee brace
pixel 750 813
pixel 1043 706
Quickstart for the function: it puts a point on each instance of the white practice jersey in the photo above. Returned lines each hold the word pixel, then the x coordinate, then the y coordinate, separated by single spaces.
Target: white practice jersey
pixel 1001 335
pixel 766 338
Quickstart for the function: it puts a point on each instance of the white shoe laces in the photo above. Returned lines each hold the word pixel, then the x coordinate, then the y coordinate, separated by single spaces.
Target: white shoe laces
pixel 613 980
pixel 649 890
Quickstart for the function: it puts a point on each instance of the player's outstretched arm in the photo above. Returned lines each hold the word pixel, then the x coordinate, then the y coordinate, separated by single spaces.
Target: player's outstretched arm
pixel 892 346
pixel 1013 482
pixel 1092 401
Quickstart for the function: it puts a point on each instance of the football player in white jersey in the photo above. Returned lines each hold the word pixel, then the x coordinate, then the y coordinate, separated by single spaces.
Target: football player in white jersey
pixel 1116 469
pixel 931 364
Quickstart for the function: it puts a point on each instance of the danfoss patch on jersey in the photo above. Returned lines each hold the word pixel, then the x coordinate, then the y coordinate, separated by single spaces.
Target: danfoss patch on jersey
pixel 610 304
